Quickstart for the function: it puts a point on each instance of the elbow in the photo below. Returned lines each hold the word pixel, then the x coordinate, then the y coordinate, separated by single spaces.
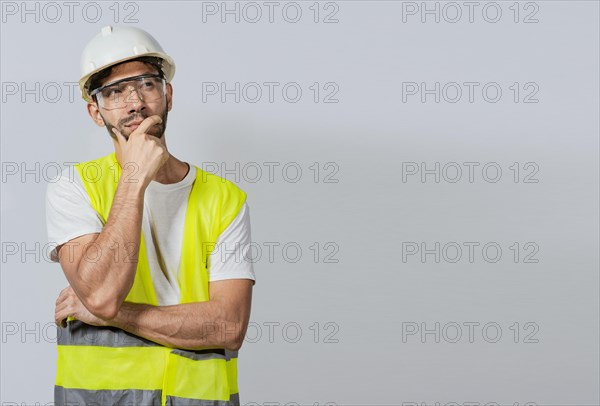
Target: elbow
pixel 235 333
pixel 233 346
pixel 107 313
pixel 230 325
pixel 103 308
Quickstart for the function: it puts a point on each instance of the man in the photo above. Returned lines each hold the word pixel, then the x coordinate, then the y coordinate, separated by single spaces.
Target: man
pixel 154 249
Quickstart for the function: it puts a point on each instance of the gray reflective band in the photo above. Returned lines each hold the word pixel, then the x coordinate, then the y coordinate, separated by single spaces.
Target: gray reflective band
pixel 234 400
pixel 80 333
pixel 130 397
pixel 84 397
pixel 230 354
pixel 201 355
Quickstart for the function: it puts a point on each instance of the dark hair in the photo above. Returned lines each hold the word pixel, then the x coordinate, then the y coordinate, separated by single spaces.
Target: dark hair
pixel 96 79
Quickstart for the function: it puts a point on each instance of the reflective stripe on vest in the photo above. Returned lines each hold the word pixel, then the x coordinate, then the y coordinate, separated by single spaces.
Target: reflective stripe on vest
pixel 107 365
pixel 80 397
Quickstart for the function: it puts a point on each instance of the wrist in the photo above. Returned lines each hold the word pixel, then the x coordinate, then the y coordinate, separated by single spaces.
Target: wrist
pixel 133 184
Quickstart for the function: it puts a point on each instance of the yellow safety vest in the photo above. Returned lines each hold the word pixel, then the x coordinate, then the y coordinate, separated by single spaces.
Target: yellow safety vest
pixel 107 365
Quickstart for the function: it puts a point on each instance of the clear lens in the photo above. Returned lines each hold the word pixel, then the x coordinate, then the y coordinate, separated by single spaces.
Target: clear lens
pixel 118 95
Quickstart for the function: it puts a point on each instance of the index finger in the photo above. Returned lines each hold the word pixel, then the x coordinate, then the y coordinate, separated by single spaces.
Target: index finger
pixel 120 137
pixel 146 124
pixel 63 291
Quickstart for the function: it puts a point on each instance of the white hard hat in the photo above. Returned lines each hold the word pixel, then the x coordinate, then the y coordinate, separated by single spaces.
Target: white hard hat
pixel 119 44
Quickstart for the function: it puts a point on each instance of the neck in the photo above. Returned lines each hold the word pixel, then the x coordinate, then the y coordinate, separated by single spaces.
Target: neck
pixel 172 171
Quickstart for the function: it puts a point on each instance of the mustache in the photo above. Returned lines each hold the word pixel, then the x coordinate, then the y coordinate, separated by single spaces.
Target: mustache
pixel 132 118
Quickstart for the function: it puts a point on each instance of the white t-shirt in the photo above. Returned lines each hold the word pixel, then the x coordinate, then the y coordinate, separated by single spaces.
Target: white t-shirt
pixel 69 214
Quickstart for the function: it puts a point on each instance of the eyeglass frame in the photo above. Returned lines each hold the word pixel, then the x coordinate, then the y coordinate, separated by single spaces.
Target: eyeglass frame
pixel 94 92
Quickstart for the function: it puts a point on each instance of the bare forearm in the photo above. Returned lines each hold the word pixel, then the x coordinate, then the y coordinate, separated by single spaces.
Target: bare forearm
pixel 188 326
pixel 107 269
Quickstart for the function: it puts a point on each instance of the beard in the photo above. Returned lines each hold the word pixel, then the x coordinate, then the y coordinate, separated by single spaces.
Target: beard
pixel 156 130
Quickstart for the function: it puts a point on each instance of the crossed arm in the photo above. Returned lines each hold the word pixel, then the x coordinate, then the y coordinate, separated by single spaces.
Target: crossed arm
pixel 220 322
pixel 97 289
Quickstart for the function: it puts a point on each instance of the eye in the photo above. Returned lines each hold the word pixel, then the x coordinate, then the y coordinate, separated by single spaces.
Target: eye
pixel 148 84
pixel 111 91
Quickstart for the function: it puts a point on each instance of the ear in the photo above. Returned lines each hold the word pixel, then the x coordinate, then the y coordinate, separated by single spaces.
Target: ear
pixel 169 97
pixel 94 113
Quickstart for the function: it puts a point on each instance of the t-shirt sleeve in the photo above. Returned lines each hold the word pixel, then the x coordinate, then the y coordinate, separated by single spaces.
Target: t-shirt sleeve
pixel 69 213
pixel 231 257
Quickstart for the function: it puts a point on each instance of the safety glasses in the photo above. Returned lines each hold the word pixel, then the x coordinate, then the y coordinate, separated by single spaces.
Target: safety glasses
pixel 118 94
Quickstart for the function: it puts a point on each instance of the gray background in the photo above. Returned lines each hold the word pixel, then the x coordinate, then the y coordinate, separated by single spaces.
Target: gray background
pixel 367 295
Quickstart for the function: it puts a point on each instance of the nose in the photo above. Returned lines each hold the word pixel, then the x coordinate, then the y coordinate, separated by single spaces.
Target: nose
pixel 130 95
pixel 134 101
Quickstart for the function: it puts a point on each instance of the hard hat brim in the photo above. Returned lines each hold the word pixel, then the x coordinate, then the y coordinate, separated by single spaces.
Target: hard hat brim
pixel 168 69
